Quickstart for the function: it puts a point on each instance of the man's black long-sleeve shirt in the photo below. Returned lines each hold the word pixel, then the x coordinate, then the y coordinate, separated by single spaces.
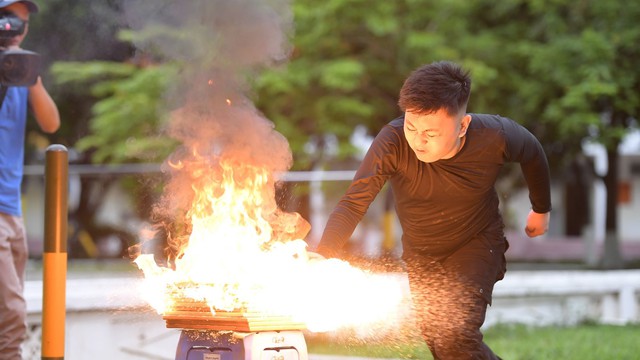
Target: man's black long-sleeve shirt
pixel 444 204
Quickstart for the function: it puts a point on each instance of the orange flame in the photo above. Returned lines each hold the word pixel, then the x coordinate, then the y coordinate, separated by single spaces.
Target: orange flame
pixel 243 253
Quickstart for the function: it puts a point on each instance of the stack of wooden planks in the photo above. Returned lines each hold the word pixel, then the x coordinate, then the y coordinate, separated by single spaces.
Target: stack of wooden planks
pixel 187 314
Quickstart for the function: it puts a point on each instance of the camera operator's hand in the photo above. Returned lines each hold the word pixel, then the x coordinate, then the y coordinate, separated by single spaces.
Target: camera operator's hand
pixel 44 109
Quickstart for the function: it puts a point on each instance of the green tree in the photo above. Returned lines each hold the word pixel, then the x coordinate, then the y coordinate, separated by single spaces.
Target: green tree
pixel 126 127
pixel 127 121
pixel 75 30
pixel 343 72
pixel 565 70
pixel 572 77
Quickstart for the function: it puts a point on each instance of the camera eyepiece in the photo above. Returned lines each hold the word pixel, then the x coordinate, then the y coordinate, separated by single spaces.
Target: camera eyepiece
pixel 10 25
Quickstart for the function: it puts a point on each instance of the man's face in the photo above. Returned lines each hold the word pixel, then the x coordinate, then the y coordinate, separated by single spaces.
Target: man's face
pixel 22 12
pixel 435 136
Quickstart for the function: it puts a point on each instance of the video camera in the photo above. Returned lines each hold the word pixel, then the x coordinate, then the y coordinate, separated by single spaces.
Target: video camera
pixel 17 67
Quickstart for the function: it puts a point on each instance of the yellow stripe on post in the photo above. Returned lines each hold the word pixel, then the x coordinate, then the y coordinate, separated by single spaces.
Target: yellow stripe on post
pixel 54 265
pixel 389 239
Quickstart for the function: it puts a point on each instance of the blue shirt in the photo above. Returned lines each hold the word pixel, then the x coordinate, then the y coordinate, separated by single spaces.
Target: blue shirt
pixel 13 119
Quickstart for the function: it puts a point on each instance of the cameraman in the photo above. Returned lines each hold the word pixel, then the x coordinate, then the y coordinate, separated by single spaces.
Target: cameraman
pixel 13 242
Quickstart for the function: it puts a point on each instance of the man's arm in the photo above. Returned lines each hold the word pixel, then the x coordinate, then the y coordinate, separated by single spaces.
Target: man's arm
pixel 44 109
pixel 370 177
pixel 524 148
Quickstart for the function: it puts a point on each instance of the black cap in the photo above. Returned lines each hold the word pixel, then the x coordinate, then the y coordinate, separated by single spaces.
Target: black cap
pixel 33 8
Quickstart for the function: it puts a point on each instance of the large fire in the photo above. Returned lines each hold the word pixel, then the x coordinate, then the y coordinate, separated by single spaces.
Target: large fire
pixel 244 254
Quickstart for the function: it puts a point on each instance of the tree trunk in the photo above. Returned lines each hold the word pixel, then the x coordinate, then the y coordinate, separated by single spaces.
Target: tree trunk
pixel 611 258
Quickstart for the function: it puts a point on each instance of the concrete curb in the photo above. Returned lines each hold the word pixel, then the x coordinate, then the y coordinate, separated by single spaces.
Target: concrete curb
pixel 336 357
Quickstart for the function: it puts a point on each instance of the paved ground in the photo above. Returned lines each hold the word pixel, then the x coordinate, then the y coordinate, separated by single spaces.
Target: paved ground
pixel 97 272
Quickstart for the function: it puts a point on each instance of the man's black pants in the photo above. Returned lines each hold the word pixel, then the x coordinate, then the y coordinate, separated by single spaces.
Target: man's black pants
pixel 450 297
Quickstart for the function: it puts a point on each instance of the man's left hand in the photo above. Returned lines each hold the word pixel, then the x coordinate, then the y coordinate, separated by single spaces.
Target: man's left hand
pixel 537 224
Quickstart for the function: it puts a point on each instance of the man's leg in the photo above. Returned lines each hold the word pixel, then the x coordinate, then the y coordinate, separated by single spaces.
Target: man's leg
pixel 450 316
pixel 13 309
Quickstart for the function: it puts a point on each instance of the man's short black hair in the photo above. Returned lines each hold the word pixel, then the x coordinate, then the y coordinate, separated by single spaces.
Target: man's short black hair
pixel 435 86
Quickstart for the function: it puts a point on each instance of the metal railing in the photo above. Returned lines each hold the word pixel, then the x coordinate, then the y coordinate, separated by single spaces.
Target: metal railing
pixel 130 169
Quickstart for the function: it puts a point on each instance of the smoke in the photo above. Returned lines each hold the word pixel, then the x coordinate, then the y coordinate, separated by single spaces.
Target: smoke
pixel 220 45
pixel 231 35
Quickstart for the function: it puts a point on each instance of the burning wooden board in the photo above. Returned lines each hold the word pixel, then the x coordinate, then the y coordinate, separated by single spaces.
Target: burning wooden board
pixel 197 316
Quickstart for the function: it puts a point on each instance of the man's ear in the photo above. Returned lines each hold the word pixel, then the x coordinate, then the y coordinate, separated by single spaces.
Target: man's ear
pixel 464 125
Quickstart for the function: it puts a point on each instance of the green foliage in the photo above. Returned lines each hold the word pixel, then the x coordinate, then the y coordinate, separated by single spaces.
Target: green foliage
pixel 566 70
pixel 554 66
pixel 74 71
pixel 73 30
pixel 128 118
pixel 341 74
pixel 577 69
pixel 584 342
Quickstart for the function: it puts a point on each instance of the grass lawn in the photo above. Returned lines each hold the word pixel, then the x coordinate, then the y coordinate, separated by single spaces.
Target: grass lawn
pixel 511 342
